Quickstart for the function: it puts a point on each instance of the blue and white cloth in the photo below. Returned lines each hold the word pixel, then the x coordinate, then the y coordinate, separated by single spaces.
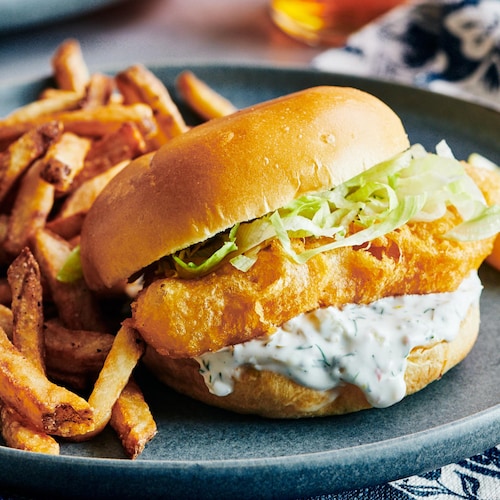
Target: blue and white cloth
pixel 449 46
pixel 452 47
pixel 476 478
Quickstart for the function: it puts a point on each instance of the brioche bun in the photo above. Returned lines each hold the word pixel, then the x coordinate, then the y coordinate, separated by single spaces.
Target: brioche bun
pixel 231 170
pixel 239 168
pixel 272 395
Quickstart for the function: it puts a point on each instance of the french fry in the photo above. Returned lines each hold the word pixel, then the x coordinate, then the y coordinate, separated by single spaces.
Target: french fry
pixel 27 336
pixel 34 201
pixel 132 420
pixel 127 349
pixel 36 113
pixel 104 120
pixel 69 67
pixel 124 144
pixel 64 160
pixel 6 320
pixel 52 93
pixel 21 435
pixel 4 231
pixel 82 198
pixel 139 85
pixel 77 307
pixel 67 227
pixel 71 356
pixel 75 381
pixel 5 292
pixel 98 91
pixel 96 122
pixel 45 405
pixel 27 332
pixel 22 325
pixel 202 98
pixel 21 153
pixel 79 353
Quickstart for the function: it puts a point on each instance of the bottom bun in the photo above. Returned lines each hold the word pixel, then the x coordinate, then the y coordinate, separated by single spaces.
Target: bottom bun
pixel 272 395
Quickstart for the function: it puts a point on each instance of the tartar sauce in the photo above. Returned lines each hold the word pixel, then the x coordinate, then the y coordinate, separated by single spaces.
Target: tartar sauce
pixel 364 345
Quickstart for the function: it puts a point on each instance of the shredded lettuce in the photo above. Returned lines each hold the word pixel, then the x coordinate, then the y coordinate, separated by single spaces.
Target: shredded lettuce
pixel 413 186
pixel 190 268
pixel 71 270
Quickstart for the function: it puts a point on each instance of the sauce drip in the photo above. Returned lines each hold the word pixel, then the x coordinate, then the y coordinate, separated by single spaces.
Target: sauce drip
pixel 364 345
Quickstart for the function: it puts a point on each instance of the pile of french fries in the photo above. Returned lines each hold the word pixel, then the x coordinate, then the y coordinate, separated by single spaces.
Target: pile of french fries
pixel 66 370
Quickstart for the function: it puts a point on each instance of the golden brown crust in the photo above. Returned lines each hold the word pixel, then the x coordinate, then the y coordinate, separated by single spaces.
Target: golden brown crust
pixel 272 395
pixel 488 181
pixel 234 169
pixel 185 318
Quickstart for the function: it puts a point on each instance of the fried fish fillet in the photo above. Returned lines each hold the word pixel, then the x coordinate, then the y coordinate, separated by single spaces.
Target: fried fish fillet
pixel 233 306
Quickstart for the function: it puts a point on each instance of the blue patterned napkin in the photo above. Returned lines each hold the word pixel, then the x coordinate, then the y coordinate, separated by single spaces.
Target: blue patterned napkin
pixel 448 46
pixel 477 478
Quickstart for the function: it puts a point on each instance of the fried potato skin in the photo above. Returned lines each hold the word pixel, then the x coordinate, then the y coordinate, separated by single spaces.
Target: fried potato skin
pixel 45 405
pixel 132 420
pixel 23 436
pixel 231 306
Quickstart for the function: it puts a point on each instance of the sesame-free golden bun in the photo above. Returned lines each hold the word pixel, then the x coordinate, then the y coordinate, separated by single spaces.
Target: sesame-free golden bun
pixel 231 170
pixel 238 168
pixel 272 395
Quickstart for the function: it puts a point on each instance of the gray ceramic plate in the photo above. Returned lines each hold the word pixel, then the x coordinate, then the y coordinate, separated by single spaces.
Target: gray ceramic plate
pixel 203 452
pixel 21 14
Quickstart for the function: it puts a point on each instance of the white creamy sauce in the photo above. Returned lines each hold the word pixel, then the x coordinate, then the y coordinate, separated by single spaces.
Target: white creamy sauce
pixel 364 345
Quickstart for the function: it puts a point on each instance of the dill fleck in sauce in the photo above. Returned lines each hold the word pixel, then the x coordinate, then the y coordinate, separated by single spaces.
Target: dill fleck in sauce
pixel 364 345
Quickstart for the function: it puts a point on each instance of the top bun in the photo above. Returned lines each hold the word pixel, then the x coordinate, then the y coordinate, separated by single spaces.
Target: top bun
pixel 233 169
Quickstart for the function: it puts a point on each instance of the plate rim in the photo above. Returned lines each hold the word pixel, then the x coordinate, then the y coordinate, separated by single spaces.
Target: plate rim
pixel 20 15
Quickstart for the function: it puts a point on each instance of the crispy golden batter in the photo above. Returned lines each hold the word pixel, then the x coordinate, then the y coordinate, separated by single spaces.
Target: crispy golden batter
pixel 185 318
pixel 273 395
